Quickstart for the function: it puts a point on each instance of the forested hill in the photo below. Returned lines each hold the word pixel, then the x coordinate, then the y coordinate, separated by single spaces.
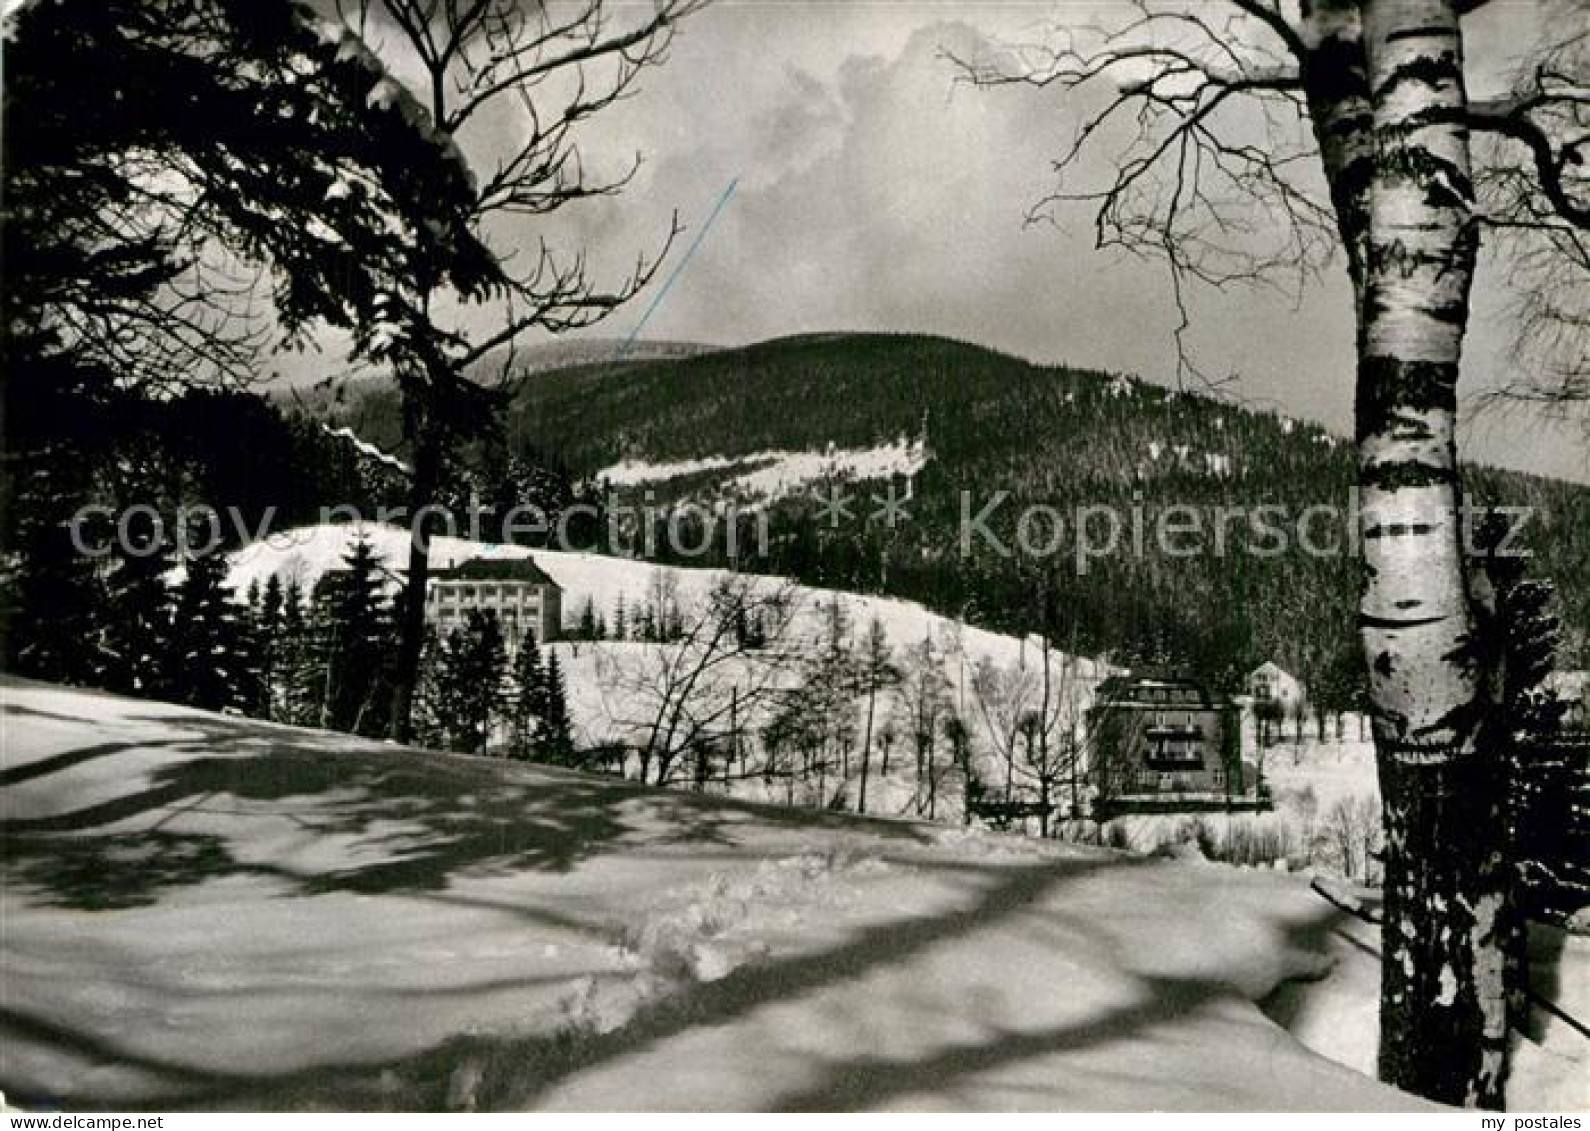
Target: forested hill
pixel 986 423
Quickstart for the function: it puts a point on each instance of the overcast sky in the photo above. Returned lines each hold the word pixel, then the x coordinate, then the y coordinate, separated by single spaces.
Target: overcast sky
pixel 875 193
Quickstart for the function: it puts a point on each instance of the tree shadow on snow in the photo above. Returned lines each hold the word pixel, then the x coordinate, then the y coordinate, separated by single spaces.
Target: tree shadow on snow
pixel 414 823
pixel 516 1072
pixel 404 821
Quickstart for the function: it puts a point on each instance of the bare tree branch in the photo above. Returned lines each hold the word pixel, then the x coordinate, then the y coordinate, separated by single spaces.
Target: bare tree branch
pixel 1207 117
pixel 1533 186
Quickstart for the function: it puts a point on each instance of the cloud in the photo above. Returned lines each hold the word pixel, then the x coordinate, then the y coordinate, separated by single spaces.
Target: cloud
pixel 876 193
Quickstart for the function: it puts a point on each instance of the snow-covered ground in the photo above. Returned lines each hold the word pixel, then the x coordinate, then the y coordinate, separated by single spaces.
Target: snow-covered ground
pixel 216 912
pixel 1310 780
pixel 612 684
pixel 1333 769
pixel 770 474
pixel 308 552
pixel 1324 789
pixel 1314 782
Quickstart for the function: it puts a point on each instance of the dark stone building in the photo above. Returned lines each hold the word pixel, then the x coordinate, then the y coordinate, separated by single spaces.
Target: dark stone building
pixel 1162 743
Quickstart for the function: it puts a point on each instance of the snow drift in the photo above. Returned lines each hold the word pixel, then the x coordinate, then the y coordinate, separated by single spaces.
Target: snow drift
pixel 211 912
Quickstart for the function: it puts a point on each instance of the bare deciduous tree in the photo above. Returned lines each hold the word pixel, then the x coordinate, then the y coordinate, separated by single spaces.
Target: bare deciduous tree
pixel 1349 836
pixel 1036 719
pixel 1540 241
pixel 877 673
pixel 697 696
pixel 924 707
pixel 533 73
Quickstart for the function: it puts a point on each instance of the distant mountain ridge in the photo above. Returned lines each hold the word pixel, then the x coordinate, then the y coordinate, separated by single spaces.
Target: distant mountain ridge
pixel 302 386
pixel 547 357
pixel 991 426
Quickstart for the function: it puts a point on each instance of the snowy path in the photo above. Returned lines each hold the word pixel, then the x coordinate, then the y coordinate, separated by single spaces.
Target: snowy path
pixel 215 912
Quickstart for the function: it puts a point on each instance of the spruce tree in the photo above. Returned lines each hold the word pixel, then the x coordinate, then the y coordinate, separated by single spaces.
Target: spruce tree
pixel 527 692
pixel 358 645
pixel 269 631
pixel 135 637
pixel 53 601
pixel 557 739
pixel 465 688
pixel 428 695
pixel 540 729
pixel 297 666
pixel 1547 817
pixel 1545 833
pixel 210 666
pixel 486 671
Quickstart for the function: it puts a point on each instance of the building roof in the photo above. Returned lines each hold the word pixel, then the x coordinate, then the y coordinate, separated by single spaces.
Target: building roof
pixel 496 569
pixel 1271 668
pixel 1130 688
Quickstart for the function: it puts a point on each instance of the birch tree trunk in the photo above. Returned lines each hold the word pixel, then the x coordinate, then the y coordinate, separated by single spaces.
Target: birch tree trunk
pixel 1447 913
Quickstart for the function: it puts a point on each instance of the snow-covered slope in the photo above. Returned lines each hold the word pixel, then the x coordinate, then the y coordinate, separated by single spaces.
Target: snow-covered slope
pixel 766 475
pixel 612 686
pixel 212 912
pixel 307 552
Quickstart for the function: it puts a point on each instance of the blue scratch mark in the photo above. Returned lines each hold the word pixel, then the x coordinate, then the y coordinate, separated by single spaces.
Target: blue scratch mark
pixel 695 244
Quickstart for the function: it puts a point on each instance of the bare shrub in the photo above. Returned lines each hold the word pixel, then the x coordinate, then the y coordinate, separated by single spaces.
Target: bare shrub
pixel 1348 839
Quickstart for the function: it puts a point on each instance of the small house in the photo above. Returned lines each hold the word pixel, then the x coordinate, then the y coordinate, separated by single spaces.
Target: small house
pixel 1275 689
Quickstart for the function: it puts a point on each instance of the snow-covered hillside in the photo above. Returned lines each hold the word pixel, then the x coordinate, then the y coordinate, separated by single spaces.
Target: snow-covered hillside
pixel 307 552
pixel 214 912
pixel 767 475
pixel 616 689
